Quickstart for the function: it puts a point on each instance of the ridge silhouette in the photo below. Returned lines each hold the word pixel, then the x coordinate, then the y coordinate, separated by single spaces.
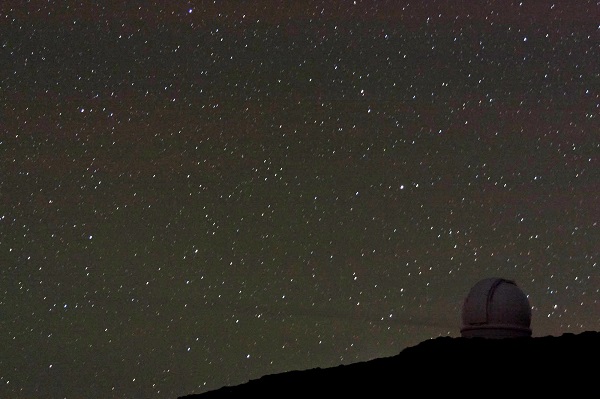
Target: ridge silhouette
pixel 565 365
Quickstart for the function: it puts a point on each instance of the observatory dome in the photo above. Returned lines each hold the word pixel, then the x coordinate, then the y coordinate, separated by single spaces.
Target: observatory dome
pixel 496 308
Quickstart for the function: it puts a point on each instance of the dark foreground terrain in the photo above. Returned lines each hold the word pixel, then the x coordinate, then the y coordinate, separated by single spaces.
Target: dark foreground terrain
pixel 567 366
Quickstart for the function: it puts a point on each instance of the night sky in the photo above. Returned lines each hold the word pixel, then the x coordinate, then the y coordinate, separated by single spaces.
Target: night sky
pixel 195 194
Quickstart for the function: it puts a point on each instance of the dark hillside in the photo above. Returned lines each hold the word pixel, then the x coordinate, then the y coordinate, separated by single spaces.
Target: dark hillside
pixel 565 365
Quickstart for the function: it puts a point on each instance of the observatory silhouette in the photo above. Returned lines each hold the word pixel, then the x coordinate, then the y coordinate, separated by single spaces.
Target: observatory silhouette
pixel 493 308
pixel 496 308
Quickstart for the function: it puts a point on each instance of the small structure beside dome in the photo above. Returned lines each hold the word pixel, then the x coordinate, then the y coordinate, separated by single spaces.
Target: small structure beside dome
pixel 496 308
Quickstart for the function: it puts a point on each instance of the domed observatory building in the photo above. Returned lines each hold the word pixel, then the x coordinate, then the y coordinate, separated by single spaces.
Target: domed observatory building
pixel 496 308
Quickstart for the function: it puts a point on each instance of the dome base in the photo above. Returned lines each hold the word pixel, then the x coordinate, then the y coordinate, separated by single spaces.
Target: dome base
pixel 495 331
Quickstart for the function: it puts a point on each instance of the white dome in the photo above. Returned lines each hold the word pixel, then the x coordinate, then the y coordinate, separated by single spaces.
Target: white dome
pixel 496 308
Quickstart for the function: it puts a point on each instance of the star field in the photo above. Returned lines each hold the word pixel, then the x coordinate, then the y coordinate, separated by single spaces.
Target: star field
pixel 194 194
